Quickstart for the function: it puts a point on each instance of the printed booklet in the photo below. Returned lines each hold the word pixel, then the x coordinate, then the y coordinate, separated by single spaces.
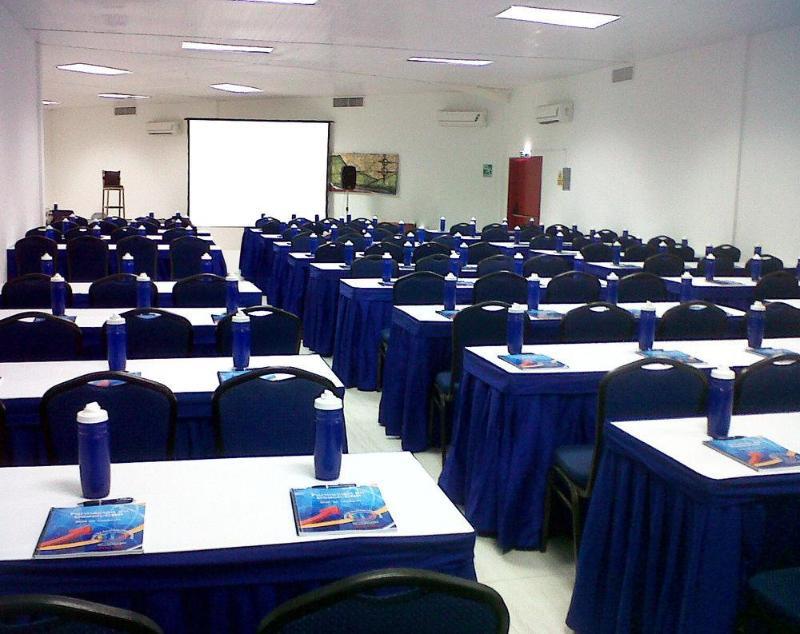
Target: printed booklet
pixel 340 508
pixel 756 452
pixel 531 361
pixel 675 355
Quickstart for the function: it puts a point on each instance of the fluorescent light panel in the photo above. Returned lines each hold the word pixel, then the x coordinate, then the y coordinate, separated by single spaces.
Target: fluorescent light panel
pixel 580 19
pixel 454 62
pixel 232 48
pixel 47 102
pixel 235 88
pixel 92 69
pixel 121 95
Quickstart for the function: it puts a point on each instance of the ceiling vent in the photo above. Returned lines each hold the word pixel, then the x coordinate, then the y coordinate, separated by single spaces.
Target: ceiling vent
pixel 348 102
pixel 124 110
pixel 622 74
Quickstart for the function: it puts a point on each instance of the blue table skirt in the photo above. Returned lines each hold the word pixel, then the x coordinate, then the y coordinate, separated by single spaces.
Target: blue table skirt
pixel 81 300
pixel 249 252
pixel 205 343
pixel 664 550
pixel 230 590
pixel 740 297
pixel 296 280
pixel 319 315
pixel 505 430
pixel 275 280
pixel 255 261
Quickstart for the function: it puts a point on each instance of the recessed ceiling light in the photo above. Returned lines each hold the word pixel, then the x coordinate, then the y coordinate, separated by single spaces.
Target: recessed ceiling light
pixel 281 1
pixel 456 62
pixel 93 70
pixel 47 102
pixel 235 88
pixel 234 48
pixel 121 95
pixel 559 17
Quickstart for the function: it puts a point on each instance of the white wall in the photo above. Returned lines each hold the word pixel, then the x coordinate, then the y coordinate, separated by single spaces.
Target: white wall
pixel 20 134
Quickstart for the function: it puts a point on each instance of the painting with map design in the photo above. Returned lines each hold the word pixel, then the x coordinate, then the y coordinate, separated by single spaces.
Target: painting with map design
pixel 375 173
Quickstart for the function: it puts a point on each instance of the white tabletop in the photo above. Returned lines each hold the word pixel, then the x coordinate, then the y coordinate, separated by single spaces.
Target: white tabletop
pixel 161 246
pixel 96 317
pixel 375 282
pixel 554 252
pixel 726 281
pixel 183 375
pixel 236 502
pixel 682 440
pixel 636 266
pixel 82 288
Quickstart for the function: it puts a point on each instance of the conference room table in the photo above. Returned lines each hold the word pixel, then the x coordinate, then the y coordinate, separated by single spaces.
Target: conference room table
pixel 220 546
pixel 736 292
pixel 507 423
pixel 420 347
pixel 674 528
pixel 255 256
pixel 192 379
pixel 602 269
pixel 249 294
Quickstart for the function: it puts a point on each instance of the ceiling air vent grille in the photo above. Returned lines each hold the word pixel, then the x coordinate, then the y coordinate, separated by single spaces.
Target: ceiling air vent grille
pixel 348 102
pixel 123 110
pixel 622 74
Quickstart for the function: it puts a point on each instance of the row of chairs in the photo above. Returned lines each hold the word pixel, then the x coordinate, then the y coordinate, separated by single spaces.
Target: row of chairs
pixel 109 224
pixel 114 232
pixel 87 256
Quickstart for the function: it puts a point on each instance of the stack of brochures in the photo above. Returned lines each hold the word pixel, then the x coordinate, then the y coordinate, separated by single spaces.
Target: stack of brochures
pixel 340 508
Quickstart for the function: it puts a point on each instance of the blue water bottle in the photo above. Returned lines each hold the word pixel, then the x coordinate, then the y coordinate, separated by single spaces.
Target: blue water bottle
pixel 240 325
pixel 541 229
pixel 94 454
pixel 709 249
pixel 516 321
pixel 375 220
pixel 152 214
pixel 66 225
pixel 473 227
pixel 421 235
pixel 519 262
pixel 710 264
pixel 386 267
pixel 349 217
pixel 574 228
pixel 591 234
pixel 685 243
pixel 578 262
pixel 313 243
pixel 127 263
pixel 596 238
pixel 616 250
pixel 686 287
pixel 408 252
pixel 231 293
pixel 450 282
pixel 294 216
pixel 349 253
pixel 316 218
pixel 454 264
pixel 334 231
pixel 504 223
pixel 755 325
pixel 625 233
pixel 755 268
pixel 517 234
pixel 442 224
pixel 612 288
pixel 293 230
pixel 50 232
pixel 647 326
pixel 116 343
pixel 46 264
pixel 559 242
pixel 757 250
pixel 206 263
pixel 463 254
pixel 143 291
pixel 141 230
pixel 534 291
pixel 328 436
pixel 662 247
pixel 367 240
pixel 96 232
pixel 58 295
pixel 720 402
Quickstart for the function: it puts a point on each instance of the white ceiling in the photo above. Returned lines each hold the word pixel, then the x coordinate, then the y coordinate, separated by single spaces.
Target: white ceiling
pixel 359 47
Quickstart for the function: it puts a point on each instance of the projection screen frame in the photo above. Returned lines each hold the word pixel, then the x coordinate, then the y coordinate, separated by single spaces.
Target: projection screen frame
pixel 189 154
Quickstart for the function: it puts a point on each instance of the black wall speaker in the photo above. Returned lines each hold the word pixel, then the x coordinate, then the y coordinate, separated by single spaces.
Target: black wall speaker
pixel 348 177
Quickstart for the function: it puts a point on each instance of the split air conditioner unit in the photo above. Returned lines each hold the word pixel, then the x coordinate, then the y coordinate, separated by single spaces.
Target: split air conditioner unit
pixel 554 113
pixel 163 127
pixel 463 119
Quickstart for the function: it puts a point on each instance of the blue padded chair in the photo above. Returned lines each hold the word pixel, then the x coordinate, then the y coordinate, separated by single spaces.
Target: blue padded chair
pixel 723 267
pixel 769 264
pixel 87 259
pixel 151 225
pixel 239 405
pixel 727 251
pixel 664 265
pixel 608 236
pixel 177 222
pixel 330 252
pixel 77 232
pixel 637 253
pixel 597 321
pixel 42 232
pixel 144 252
pixel 422 287
pixel 30 291
pixel 495 234
pixel 142 416
pixel 185 256
pixel 597 252
pixel 427 249
pixel 450 242
pixel 580 241
pixel 379 235
pixel 685 253
pixel 546 242
pixel 644 389
pixel 529 233
pixel 301 243
pixel 28 253
pixel 124 232
pixel 199 291
pixel 775 600
pixel 573 287
pixel 272 331
pixel 464 228
pixel 55 613
pixel 492 225
pixel 495 263
pixel 175 233
pixel 269 225
pixel 36 336
pixel 777 285
pixel 642 287
pixel 693 320
pixel 781 320
pixel 437 263
pixel 546 266
pixel 371 266
pixel 157 334
pixel 359 224
pixel 110 225
pixel 398 239
pixel 117 291
pixel 771 385
pixel 359 241
pixel 392 227
pixel 501 286
pixel 5 443
pixel 655 241
pixel 480 251
pixel 552 230
pixel 395 250
pixel 393 600
pixel 628 241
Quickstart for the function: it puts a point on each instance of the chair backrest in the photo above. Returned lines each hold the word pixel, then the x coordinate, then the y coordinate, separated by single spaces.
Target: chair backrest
pixel 54 613
pixel 608 236
pixel 110 225
pixel 637 253
pixel 693 320
pixel 685 253
pixel 597 252
pixel 330 252
pixel 771 385
pixel 28 253
pixel 573 287
pixel 477 325
pixel 359 241
pixel 272 331
pixel 781 320
pixel 418 288
pixel 267 412
pixel 157 334
pixel 628 241
pixel 769 264
pixel 30 291
pixel 144 252
pixel 528 233
pixel 464 228
pixel 379 248
pixel 727 251
pixel 123 232
pixel 87 259
pixel 597 321
pixel 42 232
pixel 36 336
pixel 151 225
pixel 175 222
pixel 111 179
pixel 723 267
pixel 198 291
pixel 77 232
pixel 370 266
pixel 546 265
pixel 393 600
pixel 480 251
pixel 494 234
pixel 451 242
pixel 268 225
pixel 492 225
pixel 437 263
pixel 552 230
pixel 655 241
pixel 142 416
pixel 391 227
pixel 664 264
pixel 777 285
pixel 495 263
pixel 301 243
pixel 543 242
pixel 175 233
pixel 185 256
pixel 429 248
pixel 642 287
pixel 501 286
pixel 379 235
pixel 117 291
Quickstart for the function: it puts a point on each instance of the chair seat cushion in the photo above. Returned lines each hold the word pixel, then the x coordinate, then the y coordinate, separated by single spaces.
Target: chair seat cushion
pixel 385 335
pixel 444 382
pixel 576 462
pixel 778 591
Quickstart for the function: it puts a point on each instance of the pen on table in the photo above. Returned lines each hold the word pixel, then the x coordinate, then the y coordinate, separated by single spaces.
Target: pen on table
pixel 105 502
pixel 331 486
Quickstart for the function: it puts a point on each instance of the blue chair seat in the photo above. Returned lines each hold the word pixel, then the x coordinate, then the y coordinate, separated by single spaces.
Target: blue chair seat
pixel 576 462
pixel 777 591
pixel 444 381
pixel 385 335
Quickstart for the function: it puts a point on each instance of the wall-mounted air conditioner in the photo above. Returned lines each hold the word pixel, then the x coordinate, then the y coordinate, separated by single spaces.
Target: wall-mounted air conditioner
pixel 163 127
pixel 463 119
pixel 554 112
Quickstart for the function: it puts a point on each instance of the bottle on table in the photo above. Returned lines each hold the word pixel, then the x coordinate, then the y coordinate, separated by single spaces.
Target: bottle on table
pixel 686 287
pixel 450 282
pixel 328 437
pixel 58 295
pixel 386 267
pixel 519 263
pixel 455 263
pixel 408 253
pixel 710 265
pixel 116 343
pixel 127 263
pixel 612 288
pixel 46 264
pixel 206 263
pixel 442 224
pixel 755 325
pixel 755 267
pixel 231 293
pixel 516 327
pixel 240 327
pixel 647 326
pixel 720 402
pixel 349 253
pixel 534 292
pixel 94 454
pixel 143 291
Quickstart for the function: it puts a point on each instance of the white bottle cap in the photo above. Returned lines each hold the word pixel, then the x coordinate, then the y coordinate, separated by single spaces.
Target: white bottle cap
pixel 57 278
pixel 49 227
pixel 559 235
pixel 463 245
pixel 612 277
pixel 142 227
pixel 230 277
pixel 387 256
pixel 47 257
pixel 205 256
pixel 686 276
pixel 402 223
pixel 441 218
pixel 367 235
pixel 450 278
pixel 92 413
pixel 240 317
pixel 533 277
pixel 756 256
pixel 648 305
pixel 516 228
pixel 348 244
pixel 472 220
pixel 662 244
pixel 517 308
pixel 617 244
pixel 519 256
pixel 758 306
pixel 407 244
pixel 710 256
pixel 410 234
pixel 127 257
pixel 327 401
pixel 142 277
pixel 313 235
pixel 453 254
pixel 457 235
pixel 723 373
pixel 420 226
pixel 115 320
pixel 578 256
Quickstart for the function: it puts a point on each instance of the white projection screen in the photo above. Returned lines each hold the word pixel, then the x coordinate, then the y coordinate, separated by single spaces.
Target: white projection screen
pixel 239 169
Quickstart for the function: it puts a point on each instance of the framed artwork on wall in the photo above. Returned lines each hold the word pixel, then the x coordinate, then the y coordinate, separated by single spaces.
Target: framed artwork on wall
pixel 375 173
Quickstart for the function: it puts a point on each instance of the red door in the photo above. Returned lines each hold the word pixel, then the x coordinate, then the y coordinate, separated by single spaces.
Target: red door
pixel 524 190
